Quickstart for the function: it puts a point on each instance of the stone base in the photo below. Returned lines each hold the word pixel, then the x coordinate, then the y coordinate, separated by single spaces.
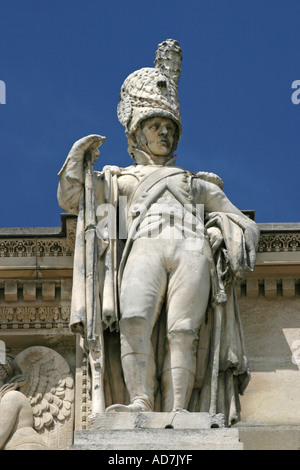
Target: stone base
pixel 269 437
pixel 157 431
pixel 149 420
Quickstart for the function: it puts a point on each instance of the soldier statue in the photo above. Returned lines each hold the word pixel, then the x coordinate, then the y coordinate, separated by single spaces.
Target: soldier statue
pixel 158 251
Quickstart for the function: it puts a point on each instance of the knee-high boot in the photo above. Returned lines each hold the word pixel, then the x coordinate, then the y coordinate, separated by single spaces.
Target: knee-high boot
pixel 138 365
pixel 179 370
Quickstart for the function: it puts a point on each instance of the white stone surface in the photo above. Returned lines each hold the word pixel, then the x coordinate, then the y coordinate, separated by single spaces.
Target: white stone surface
pixel 148 420
pixel 158 439
pixel 264 437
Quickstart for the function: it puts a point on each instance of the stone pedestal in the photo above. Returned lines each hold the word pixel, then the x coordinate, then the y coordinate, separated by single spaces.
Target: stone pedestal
pixel 157 431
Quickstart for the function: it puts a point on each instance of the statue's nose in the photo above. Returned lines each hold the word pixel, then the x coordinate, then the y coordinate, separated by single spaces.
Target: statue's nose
pixel 163 130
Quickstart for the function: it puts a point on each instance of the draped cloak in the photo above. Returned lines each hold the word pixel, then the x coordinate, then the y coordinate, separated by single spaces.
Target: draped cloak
pixel 232 262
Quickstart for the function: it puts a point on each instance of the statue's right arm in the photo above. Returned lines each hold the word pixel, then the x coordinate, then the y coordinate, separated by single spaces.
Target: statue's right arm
pixel 71 176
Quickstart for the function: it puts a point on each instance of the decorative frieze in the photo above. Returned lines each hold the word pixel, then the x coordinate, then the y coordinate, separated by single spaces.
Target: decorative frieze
pixel 280 241
pixel 34 243
pixel 35 248
pixel 35 304
pixel 36 317
pixel 62 244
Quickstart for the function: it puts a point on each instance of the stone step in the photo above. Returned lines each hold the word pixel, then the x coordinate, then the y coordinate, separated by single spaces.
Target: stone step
pixel 157 439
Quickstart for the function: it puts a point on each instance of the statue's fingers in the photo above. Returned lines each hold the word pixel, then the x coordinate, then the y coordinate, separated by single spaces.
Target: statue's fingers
pixel 96 140
pixel 89 142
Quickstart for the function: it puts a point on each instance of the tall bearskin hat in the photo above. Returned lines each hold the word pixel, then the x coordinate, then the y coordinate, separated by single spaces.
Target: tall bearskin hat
pixel 150 92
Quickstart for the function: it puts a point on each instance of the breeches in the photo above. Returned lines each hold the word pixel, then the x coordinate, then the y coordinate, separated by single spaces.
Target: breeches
pixel 159 271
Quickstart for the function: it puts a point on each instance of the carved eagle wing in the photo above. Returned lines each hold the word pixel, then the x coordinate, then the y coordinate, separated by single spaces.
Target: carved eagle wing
pixel 47 382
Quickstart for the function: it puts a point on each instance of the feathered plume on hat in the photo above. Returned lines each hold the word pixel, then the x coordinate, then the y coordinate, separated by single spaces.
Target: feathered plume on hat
pixel 150 92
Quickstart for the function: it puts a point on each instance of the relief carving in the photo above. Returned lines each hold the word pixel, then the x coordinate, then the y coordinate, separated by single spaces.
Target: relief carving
pixel 36 401
pixel 25 316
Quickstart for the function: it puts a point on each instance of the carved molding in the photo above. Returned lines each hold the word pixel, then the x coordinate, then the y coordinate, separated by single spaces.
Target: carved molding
pixel 38 245
pixel 47 383
pixel 33 248
pixel 269 288
pixel 275 242
pixel 36 317
pixel 63 243
pixel 278 242
pixel 86 397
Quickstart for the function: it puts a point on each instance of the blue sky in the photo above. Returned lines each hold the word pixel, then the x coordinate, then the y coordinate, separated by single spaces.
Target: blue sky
pixel 64 61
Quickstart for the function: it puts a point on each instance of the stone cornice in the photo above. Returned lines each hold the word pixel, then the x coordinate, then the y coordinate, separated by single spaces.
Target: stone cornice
pixel 279 237
pixel 39 242
pixel 59 241
pixel 37 263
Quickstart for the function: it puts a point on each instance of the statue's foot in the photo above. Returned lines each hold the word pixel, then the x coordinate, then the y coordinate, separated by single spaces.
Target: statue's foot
pixel 136 407
pixel 118 408
pixel 180 410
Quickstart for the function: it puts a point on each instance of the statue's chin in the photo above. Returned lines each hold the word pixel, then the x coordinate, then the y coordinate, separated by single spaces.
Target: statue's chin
pixel 166 155
pixel 145 157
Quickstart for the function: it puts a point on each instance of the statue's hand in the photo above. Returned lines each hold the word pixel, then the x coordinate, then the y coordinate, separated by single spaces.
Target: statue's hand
pixel 215 238
pixel 88 144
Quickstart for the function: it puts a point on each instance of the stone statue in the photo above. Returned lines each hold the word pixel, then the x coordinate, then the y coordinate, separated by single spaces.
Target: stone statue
pixel 158 249
pixel 36 406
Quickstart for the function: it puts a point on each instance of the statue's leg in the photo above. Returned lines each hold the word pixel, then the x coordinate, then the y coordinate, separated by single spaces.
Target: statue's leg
pixel 188 293
pixel 142 293
pixel 179 370
pixel 138 364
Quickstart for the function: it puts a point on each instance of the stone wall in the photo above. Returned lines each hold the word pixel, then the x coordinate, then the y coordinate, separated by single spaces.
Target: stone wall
pixel 36 267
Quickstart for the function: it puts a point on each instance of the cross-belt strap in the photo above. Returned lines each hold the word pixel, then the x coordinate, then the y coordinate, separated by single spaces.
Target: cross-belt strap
pixel 151 180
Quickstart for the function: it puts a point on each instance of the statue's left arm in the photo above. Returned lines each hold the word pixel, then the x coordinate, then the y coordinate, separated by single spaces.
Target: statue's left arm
pixel 239 232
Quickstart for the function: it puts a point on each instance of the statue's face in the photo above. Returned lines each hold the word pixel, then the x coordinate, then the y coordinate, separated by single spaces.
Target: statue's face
pixel 159 133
